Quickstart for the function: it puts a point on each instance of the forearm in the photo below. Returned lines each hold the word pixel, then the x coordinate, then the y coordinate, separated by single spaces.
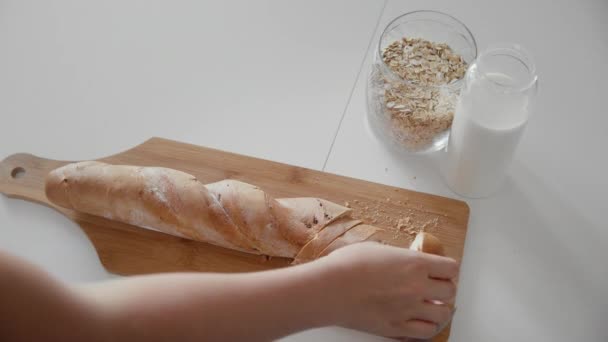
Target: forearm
pixel 35 307
pixel 257 306
pixel 378 289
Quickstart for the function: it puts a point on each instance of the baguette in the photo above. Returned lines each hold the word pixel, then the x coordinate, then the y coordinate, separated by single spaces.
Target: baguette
pixel 228 213
pixel 358 233
pixel 427 243
pixel 319 242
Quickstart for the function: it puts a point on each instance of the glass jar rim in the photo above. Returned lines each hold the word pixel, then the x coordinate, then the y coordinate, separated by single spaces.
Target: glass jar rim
pixel 384 66
pixel 516 52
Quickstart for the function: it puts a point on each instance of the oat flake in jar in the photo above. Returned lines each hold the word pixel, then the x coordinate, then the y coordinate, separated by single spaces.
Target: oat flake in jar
pixel 415 79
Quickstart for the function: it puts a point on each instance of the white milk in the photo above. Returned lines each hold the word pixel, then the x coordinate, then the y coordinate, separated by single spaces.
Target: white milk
pixel 488 124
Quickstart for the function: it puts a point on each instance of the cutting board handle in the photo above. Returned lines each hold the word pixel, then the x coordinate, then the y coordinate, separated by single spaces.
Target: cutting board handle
pixel 23 176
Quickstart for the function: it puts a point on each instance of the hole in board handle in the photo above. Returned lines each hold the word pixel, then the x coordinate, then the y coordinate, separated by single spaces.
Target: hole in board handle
pixel 18 172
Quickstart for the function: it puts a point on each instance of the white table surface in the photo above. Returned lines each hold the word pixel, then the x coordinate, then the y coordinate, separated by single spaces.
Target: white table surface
pixel 282 79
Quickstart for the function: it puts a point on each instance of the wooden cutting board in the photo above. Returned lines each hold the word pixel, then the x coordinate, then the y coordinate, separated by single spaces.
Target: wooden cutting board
pixel 126 249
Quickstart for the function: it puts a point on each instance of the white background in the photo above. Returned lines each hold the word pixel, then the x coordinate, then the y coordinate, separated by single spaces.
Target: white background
pixel 285 80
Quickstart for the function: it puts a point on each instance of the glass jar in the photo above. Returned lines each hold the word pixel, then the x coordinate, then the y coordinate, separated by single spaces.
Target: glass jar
pixel 419 120
pixel 496 100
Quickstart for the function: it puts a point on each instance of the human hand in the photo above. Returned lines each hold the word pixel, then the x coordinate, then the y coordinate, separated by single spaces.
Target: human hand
pixel 391 291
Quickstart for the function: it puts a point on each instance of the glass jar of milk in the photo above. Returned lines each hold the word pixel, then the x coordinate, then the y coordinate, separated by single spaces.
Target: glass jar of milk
pixel 491 113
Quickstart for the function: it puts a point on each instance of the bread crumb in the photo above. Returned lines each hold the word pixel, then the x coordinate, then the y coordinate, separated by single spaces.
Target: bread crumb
pixel 404 223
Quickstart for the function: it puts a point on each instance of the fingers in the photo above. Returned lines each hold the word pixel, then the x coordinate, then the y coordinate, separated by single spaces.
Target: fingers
pixel 445 324
pixel 429 321
pixel 442 267
pixel 434 313
pixel 420 329
pixel 440 290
